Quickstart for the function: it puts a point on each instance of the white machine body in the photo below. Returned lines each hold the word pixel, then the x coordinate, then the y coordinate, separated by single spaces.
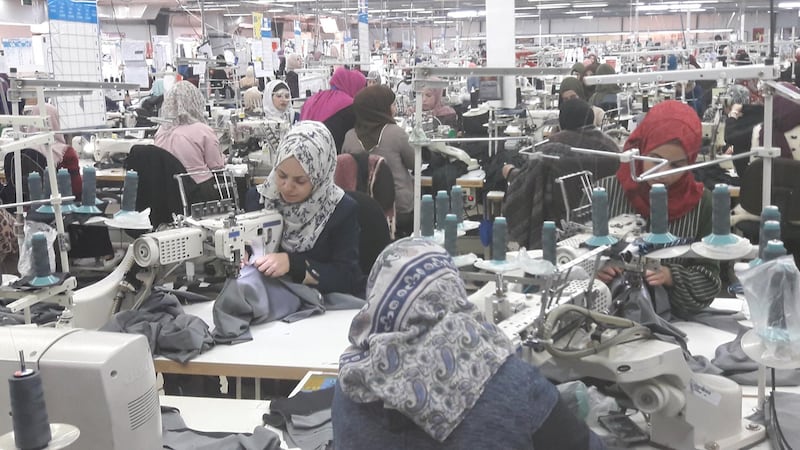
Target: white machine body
pixel 102 383
pixel 103 149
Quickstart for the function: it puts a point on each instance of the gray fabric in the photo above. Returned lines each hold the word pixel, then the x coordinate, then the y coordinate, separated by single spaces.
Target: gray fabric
pixel 254 298
pixel 170 333
pixel 736 365
pixel 310 432
pixel 176 436
pixel 250 299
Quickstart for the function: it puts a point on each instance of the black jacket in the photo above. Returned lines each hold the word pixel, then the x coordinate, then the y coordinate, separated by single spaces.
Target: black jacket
pixel 158 189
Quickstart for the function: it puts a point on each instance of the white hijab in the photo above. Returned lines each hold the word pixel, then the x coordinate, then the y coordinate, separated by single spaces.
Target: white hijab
pixel 314 148
pixel 270 111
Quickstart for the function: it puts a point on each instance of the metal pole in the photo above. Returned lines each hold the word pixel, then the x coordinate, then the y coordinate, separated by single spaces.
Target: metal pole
pixel 202 18
pixel 417 164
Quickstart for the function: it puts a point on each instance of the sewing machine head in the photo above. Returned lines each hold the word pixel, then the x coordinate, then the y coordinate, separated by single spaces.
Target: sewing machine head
pixel 112 150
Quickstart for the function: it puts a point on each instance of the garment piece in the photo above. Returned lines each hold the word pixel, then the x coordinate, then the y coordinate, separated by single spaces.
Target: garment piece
pixel 293 81
pixel 533 196
pixel 170 333
pixel 373 109
pixel 575 114
pixel 695 281
pixel 158 189
pixel 494 421
pixel 306 417
pixel 248 300
pixel 399 155
pixel 176 436
pixel 666 122
pixel 311 144
pixel 270 111
pixel 345 84
pixel 418 317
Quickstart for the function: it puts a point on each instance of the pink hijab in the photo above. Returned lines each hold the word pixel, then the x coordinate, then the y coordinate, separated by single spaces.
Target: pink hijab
pixel 439 109
pixel 345 84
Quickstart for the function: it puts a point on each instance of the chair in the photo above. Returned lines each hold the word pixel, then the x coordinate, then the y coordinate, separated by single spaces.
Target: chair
pixel 374 230
pixel 158 189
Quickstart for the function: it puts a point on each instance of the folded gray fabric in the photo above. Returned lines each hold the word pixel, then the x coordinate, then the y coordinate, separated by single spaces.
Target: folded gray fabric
pixel 169 331
pixel 737 366
pixel 176 436
pixel 254 298
pixel 248 300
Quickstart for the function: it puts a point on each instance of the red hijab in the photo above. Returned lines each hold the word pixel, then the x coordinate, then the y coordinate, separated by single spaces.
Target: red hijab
pixel 666 122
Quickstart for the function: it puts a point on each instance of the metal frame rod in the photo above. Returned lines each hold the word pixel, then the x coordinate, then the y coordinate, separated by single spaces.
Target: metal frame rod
pixel 754 71
pixel 424 72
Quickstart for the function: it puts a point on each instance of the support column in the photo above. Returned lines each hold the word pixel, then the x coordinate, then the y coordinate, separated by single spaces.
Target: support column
pixel 500 42
pixel 363 35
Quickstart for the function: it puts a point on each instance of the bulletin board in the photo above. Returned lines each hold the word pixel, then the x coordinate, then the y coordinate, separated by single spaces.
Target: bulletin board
pixel 75 56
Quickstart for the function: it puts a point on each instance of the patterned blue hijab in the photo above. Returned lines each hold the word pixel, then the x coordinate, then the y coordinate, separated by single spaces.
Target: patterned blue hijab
pixel 312 145
pixel 419 345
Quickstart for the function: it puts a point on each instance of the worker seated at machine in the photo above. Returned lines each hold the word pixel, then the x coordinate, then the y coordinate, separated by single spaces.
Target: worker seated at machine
pixel 464 405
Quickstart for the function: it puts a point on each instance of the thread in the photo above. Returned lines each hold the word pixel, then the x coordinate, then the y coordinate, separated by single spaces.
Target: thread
pixel 426 215
pixel 658 209
pixel 721 210
pixel 771 230
pixel 442 208
pixel 129 190
pixel 46 187
pixel 599 212
pixel 64 184
pixel 645 103
pixel 457 202
pixel 28 412
pixel 774 249
pixel 549 241
pixel 35 186
pixel 41 260
pixel 450 233
pixel 768 213
pixel 89 193
pixel 499 232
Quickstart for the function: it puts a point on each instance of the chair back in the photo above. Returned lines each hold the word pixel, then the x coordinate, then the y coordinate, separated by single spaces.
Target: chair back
pixel 158 189
pixel 374 230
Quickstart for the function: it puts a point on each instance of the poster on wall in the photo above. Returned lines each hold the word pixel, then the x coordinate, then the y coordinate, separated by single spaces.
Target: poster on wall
pixel 75 56
pixel 18 53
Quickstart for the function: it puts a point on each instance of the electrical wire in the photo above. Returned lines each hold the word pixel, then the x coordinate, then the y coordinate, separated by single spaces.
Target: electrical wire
pixel 783 444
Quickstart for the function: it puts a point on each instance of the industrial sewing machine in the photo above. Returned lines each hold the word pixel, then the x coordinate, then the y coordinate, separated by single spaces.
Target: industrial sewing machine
pixel 111 151
pixel 218 237
pixel 255 142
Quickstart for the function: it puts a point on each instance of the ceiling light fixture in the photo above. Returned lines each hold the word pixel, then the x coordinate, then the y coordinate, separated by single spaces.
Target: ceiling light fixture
pixel 589 5
pixel 789 5
pixel 586 17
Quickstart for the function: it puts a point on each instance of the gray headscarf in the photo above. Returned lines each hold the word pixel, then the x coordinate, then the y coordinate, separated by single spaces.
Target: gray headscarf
pixel 419 345
pixel 312 145
pixel 183 105
pixel 738 94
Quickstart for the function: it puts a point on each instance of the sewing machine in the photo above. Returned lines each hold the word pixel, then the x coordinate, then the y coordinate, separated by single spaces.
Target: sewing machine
pixel 109 150
pixel 255 142
pixel 216 237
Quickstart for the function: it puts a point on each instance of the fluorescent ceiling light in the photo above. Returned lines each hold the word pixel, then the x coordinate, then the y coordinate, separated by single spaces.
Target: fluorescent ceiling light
pixel 589 5
pixel 465 14
pixel 526 16
pixel 237 15
pixel 554 6
pixel 789 5
pixel 442 21
pixel 586 17
pixel 576 12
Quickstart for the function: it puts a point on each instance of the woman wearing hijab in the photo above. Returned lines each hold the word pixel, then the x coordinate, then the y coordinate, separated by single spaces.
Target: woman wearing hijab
pixel 672 131
pixel 320 240
pixel 739 124
pixel 571 88
pixel 605 95
pixel 432 103
pixel 293 63
pixel 189 138
pixel 249 80
pixel 532 196
pixel 426 370
pixel 785 117
pixel 333 107
pixel 376 132
pixel 277 102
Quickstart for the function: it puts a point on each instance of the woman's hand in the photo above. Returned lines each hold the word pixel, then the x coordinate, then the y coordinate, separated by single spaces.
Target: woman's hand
pixel 659 277
pixel 273 265
pixel 608 272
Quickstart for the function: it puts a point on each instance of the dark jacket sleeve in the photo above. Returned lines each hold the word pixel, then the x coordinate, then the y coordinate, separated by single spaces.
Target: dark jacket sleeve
pixel 334 259
pixel 293 82
pixel 339 124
